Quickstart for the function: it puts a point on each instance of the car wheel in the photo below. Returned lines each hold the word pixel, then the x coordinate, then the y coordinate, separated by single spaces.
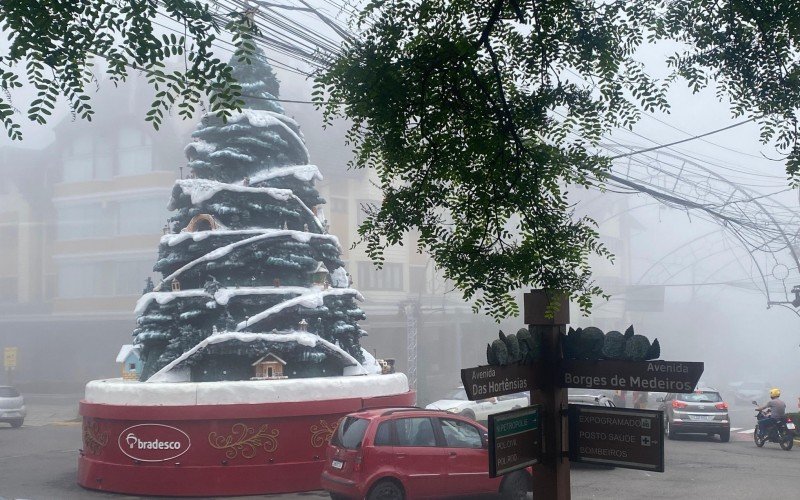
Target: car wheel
pixel 16 423
pixel 725 435
pixel 468 413
pixel 386 489
pixel 668 429
pixel 515 487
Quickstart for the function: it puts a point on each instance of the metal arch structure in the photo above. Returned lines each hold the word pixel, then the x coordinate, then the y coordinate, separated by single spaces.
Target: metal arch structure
pixel 764 227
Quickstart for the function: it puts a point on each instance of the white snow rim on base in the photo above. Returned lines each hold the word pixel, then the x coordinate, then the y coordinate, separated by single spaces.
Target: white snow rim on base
pixel 303 338
pixel 128 393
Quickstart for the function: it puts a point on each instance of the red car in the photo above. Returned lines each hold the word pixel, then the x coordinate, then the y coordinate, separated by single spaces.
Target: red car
pixel 398 453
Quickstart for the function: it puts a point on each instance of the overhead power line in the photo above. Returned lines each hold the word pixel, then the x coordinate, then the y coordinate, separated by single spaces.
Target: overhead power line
pixel 688 139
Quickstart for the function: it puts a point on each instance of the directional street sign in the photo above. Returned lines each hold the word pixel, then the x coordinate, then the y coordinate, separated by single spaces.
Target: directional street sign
pixel 651 376
pixel 485 382
pixel 515 440
pixel 632 439
pixel 10 358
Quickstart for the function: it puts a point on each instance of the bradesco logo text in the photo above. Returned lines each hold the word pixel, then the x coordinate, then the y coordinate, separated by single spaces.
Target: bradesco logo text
pixel 153 442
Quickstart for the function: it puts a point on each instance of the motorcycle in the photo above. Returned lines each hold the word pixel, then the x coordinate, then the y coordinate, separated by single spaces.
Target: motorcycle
pixel 781 432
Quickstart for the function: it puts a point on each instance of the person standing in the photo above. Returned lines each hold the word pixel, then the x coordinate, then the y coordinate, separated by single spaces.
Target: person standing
pixel 619 398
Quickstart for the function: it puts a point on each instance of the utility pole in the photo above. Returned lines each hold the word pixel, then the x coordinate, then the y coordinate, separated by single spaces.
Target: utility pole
pixel 411 309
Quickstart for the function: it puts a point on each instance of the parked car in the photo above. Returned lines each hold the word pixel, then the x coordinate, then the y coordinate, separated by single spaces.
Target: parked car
pixel 399 453
pixel 700 412
pixel 590 399
pixel 12 406
pixel 457 402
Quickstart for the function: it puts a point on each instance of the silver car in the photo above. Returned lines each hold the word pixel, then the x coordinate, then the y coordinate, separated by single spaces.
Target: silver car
pixel 701 412
pixel 12 406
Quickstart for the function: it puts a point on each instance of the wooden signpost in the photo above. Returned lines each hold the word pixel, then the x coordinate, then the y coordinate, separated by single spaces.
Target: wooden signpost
pixel 622 437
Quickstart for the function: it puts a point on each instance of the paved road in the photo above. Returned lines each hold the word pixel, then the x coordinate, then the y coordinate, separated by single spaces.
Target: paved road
pixel 39 461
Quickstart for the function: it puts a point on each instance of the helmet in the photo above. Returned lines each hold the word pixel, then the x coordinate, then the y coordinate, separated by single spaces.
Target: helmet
pixel 775 393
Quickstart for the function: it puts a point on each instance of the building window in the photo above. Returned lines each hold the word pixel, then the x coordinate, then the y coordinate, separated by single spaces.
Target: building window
pixel 135 153
pixel 88 220
pixel 388 278
pixel 76 280
pixel 103 160
pixel 418 279
pixel 143 216
pixel 339 205
pixel 130 276
pixel 102 279
pixel 111 218
pixel 79 160
pixel 363 207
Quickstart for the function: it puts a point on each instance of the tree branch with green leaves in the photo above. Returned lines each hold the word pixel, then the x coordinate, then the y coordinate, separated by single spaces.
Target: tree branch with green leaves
pixel 464 111
pixel 53 45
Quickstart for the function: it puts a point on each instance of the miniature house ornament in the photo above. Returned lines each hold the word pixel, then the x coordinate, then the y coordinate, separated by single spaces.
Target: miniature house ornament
pixel 269 367
pixel 176 285
pixel 303 325
pixel 320 274
pixel 129 358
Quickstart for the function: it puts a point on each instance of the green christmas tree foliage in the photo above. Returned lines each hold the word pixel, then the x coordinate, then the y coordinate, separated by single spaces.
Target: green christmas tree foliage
pixel 247 257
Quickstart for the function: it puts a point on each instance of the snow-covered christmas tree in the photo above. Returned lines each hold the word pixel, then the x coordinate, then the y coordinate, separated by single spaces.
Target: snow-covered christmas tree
pixel 250 273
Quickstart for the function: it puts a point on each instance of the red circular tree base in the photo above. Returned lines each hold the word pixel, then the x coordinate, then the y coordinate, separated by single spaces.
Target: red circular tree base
pixel 212 450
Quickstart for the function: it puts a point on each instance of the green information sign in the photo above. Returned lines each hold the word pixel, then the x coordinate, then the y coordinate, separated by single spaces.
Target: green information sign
pixel 515 424
pixel 515 440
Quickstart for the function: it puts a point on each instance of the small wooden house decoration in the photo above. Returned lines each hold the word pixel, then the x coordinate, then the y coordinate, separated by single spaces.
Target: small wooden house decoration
pixel 269 367
pixel 303 325
pixel 320 274
pixel 130 362
pixel 176 285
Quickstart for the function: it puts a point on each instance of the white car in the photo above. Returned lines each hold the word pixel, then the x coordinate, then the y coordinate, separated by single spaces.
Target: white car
pixel 12 406
pixel 457 402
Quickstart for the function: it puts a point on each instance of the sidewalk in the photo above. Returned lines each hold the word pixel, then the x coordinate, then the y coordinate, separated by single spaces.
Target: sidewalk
pixel 46 409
